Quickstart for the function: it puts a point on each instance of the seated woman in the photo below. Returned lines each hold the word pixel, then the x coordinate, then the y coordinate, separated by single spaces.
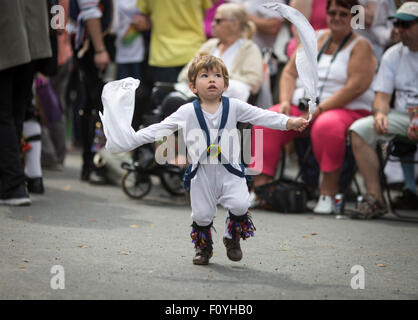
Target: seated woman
pixel 346 69
pixel 232 31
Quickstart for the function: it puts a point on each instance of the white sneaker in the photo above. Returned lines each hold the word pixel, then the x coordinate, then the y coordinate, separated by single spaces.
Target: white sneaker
pixel 325 205
pixel 253 201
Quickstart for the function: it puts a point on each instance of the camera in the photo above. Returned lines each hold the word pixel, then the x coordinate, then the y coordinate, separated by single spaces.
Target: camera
pixel 304 104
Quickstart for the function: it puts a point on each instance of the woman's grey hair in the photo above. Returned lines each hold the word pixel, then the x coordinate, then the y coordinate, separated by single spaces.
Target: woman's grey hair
pixel 236 11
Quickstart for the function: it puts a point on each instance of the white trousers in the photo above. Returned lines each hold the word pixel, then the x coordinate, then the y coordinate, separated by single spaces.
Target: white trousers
pixel 213 185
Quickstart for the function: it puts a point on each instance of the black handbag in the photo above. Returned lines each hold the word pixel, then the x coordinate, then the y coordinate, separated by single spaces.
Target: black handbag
pixel 283 195
pixel 402 149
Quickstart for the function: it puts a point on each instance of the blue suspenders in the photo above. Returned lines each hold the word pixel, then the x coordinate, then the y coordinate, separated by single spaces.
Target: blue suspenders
pixel 189 174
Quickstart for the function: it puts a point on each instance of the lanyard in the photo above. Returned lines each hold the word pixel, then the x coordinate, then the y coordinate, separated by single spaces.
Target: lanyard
pixel 325 47
pixel 327 43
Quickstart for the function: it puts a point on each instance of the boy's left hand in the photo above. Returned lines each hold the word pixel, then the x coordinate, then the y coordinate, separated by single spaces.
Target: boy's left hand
pixel 297 124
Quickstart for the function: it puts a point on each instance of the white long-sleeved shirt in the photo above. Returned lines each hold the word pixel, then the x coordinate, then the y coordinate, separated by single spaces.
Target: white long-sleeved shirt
pixel 118 102
pixel 195 139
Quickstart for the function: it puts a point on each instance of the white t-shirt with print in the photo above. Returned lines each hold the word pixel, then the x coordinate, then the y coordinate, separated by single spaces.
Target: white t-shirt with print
pixel 135 51
pixel 399 71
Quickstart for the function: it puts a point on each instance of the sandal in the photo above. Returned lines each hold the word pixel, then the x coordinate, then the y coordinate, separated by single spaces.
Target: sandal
pixel 370 208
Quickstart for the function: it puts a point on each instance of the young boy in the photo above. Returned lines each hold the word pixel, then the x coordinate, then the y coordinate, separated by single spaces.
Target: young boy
pixel 213 177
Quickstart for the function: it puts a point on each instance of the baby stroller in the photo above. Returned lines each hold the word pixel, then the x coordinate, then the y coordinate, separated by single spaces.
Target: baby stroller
pixel 136 181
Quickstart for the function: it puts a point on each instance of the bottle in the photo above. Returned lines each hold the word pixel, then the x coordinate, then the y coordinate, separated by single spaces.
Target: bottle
pixel 339 203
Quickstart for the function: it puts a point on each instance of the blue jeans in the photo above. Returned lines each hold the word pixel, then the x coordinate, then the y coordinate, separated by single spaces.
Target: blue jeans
pixel 166 74
pixel 129 70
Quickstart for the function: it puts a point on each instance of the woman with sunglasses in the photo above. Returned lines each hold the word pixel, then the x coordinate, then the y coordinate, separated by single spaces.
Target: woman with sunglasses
pixel 232 31
pixel 346 67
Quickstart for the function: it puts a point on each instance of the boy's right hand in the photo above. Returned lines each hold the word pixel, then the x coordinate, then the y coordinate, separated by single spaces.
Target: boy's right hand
pixel 297 124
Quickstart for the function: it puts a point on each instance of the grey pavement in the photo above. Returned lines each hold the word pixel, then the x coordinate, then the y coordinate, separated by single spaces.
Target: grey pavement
pixel 107 246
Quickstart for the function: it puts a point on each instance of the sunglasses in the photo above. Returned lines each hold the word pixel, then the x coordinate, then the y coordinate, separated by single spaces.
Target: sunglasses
pixel 219 20
pixel 342 14
pixel 404 24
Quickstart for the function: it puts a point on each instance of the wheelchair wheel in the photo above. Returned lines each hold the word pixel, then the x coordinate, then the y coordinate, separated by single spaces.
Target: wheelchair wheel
pixel 173 183
pixel 136 185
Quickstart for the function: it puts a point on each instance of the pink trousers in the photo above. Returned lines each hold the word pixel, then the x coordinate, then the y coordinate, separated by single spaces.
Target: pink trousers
pixel 328 136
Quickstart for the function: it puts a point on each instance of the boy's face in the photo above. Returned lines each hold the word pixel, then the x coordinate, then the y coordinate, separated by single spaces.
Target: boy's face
pixel 209 84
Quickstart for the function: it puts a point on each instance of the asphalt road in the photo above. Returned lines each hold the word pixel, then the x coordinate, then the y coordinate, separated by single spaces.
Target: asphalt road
pixel 80 241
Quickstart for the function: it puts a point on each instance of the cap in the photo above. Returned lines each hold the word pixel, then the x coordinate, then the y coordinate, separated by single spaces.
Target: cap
pixel 407 12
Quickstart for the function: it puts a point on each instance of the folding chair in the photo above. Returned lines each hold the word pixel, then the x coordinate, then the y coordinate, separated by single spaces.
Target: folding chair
pixel 348 170
pixel 396 149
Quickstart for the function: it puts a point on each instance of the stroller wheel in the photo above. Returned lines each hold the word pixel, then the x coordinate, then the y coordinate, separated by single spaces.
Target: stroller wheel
pixel 136 185
pixel 172 182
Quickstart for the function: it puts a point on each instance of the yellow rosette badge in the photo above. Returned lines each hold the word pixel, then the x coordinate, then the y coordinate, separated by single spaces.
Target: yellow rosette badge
pixel 214 150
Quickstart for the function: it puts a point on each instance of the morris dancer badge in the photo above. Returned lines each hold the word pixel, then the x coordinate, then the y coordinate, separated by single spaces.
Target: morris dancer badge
pixel 214 150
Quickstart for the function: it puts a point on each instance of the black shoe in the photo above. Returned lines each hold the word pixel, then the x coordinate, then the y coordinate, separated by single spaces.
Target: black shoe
pixel 35 185
pixel 407 201
pixel 18 197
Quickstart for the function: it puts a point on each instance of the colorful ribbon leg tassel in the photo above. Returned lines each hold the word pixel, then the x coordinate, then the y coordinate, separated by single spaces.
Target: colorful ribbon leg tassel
pixel 202 236
pixel 240 226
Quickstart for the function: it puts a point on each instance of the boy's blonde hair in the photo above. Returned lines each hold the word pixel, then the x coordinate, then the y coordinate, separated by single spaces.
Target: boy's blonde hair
pixel 208 62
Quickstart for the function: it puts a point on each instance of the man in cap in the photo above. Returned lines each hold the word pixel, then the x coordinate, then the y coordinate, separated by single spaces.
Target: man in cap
pixel 397 73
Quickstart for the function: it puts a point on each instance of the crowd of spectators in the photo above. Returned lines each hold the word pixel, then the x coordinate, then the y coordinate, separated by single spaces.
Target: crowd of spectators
pixel 367 66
